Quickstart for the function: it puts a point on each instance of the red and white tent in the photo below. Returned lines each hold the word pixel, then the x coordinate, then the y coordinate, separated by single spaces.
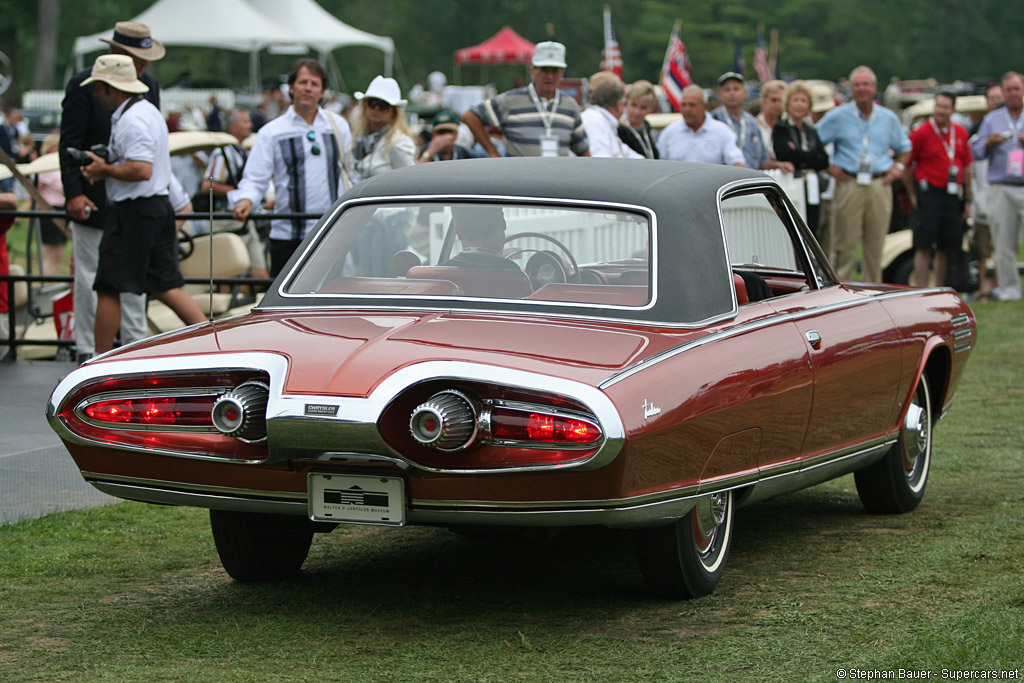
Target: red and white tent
pixel 505 47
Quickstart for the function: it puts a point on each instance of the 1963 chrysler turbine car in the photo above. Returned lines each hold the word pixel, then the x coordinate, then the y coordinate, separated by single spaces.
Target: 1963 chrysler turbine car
pixel 531 343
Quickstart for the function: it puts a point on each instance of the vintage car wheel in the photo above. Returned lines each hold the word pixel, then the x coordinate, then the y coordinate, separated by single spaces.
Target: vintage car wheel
pixel 896 483
pixel 255 547
pixel 686 559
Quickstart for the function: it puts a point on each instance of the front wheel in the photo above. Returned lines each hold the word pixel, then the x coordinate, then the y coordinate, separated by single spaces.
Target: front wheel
pixel 896 483
pixel 686 559
pixel 254 547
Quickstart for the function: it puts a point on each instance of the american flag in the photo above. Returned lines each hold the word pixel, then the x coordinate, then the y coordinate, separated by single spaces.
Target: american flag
pixel 761 66
pixel 611 58
pixel 676 72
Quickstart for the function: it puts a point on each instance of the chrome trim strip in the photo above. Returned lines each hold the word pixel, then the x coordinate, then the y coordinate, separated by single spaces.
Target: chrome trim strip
pixel 755 325
pixel 962 332
pixel 962 346
pixel 161 496
pixel 430 198
pixel 960 320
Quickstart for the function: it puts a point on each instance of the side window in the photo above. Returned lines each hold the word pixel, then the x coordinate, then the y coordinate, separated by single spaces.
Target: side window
pixel 756 236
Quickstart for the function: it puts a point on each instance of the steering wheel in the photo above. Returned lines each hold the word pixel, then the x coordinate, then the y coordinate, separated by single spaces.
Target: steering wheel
pixel 186 245
pixel 573 276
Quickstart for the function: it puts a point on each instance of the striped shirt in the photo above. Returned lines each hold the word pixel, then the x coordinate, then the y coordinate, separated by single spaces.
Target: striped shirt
pixel 305 181
pixel 516 114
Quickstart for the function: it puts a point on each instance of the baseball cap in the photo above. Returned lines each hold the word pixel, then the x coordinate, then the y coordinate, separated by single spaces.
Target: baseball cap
pixel 445 120
pixel 729 75
pixel 549 53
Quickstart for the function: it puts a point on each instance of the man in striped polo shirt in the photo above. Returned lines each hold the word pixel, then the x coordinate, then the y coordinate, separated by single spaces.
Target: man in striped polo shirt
pixel 538 120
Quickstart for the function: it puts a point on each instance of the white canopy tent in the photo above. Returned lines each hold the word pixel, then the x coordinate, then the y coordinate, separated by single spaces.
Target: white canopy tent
pixel 246 26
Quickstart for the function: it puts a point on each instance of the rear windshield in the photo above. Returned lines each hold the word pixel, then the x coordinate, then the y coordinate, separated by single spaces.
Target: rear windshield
pixel 539 253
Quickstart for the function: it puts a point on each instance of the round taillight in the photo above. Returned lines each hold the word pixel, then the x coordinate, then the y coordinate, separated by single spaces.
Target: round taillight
pixel 242 412
pixel 446 421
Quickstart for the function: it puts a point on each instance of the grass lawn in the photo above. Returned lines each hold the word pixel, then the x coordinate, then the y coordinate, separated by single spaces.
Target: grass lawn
pixel 813 584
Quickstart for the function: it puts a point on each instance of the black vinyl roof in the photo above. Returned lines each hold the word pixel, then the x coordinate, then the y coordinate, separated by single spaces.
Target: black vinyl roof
pixel 659 185
pixel 694 280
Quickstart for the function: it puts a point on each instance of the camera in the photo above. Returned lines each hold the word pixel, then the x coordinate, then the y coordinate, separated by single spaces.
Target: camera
pixel 81 157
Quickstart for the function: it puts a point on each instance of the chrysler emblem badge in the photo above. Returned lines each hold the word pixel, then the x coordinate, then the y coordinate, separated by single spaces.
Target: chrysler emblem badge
pixel 321 410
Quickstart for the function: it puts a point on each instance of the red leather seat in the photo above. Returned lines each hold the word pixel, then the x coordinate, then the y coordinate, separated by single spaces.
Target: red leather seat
pixel 741 289
pixel 503 283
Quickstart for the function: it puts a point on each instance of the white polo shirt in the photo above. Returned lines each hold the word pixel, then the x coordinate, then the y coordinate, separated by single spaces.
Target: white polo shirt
pixel 713 143
pixel 138 133
pixel 603 134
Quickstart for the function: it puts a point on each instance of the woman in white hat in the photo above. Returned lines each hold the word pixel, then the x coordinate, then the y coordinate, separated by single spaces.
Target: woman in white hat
pixel 382 140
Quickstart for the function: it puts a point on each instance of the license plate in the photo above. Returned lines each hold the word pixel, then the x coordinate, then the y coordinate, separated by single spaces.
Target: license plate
pixel 356 499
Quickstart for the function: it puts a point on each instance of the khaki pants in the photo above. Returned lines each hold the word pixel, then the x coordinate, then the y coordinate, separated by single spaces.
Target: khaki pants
pixel 1005 217
pixel 85 242
pixel 862 214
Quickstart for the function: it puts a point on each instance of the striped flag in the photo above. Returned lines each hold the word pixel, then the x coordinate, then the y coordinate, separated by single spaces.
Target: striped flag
pixel 611 58
pixel 761 66
pixel 676 72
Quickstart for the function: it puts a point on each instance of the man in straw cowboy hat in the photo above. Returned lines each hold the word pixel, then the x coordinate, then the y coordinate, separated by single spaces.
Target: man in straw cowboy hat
pixel 85 123
pixel 139 250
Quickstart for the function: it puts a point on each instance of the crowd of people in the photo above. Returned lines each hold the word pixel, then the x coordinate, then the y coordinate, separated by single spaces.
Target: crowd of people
pixel 846 156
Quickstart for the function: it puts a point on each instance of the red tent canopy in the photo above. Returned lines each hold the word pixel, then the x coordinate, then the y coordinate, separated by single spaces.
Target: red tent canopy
pixel 505 47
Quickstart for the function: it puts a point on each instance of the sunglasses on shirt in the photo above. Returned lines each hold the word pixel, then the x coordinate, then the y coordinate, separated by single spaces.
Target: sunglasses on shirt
pixel 311 136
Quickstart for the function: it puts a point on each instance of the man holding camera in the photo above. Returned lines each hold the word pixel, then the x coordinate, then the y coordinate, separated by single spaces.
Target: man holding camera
pixel 85 125
pixel 139 250
pixel 1000 140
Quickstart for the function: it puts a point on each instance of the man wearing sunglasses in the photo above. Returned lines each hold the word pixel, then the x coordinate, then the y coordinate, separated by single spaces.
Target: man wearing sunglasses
pixel 306 152
pixel 538 120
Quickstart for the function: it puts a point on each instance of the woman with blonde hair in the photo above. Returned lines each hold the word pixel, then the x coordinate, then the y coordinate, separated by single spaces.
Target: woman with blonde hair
pixel 641 100
pixel 795 140
pixel 382 140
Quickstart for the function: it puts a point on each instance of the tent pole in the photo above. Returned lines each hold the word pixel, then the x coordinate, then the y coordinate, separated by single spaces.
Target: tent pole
pixel 254 71
pixel 388 56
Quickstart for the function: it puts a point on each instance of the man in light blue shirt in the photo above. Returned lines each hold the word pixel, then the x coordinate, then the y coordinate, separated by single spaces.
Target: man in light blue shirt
pixel 698 137
pixel 733 92
pixel 1000 140
pixel 871 151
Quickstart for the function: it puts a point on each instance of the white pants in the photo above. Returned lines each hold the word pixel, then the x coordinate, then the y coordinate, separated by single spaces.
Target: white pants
pixel 86 249
pixel 1005 218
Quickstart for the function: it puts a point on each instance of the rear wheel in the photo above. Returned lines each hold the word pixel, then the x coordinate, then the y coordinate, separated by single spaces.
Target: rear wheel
pixel 254 547
pixel 686 559
pixel 896 483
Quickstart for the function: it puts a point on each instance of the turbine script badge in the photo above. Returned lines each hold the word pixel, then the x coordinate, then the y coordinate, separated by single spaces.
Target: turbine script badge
pixel 650 410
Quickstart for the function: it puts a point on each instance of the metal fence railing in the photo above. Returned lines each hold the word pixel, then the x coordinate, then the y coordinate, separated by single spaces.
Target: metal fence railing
pixel 32 277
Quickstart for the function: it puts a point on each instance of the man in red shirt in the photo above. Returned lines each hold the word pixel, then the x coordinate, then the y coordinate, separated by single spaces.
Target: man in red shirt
pixel 938 172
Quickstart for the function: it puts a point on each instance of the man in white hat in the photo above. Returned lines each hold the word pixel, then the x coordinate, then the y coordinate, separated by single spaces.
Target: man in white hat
pixel 139 250
pixel 84 123
pixel 306 151
pixel 538 120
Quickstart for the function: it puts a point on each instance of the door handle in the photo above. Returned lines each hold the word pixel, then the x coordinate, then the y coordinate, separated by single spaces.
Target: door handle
pixel 813 338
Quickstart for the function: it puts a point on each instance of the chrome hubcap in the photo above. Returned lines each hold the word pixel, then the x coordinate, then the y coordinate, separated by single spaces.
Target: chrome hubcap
pixel 915 432
pixel 710 513
pixel 916 440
